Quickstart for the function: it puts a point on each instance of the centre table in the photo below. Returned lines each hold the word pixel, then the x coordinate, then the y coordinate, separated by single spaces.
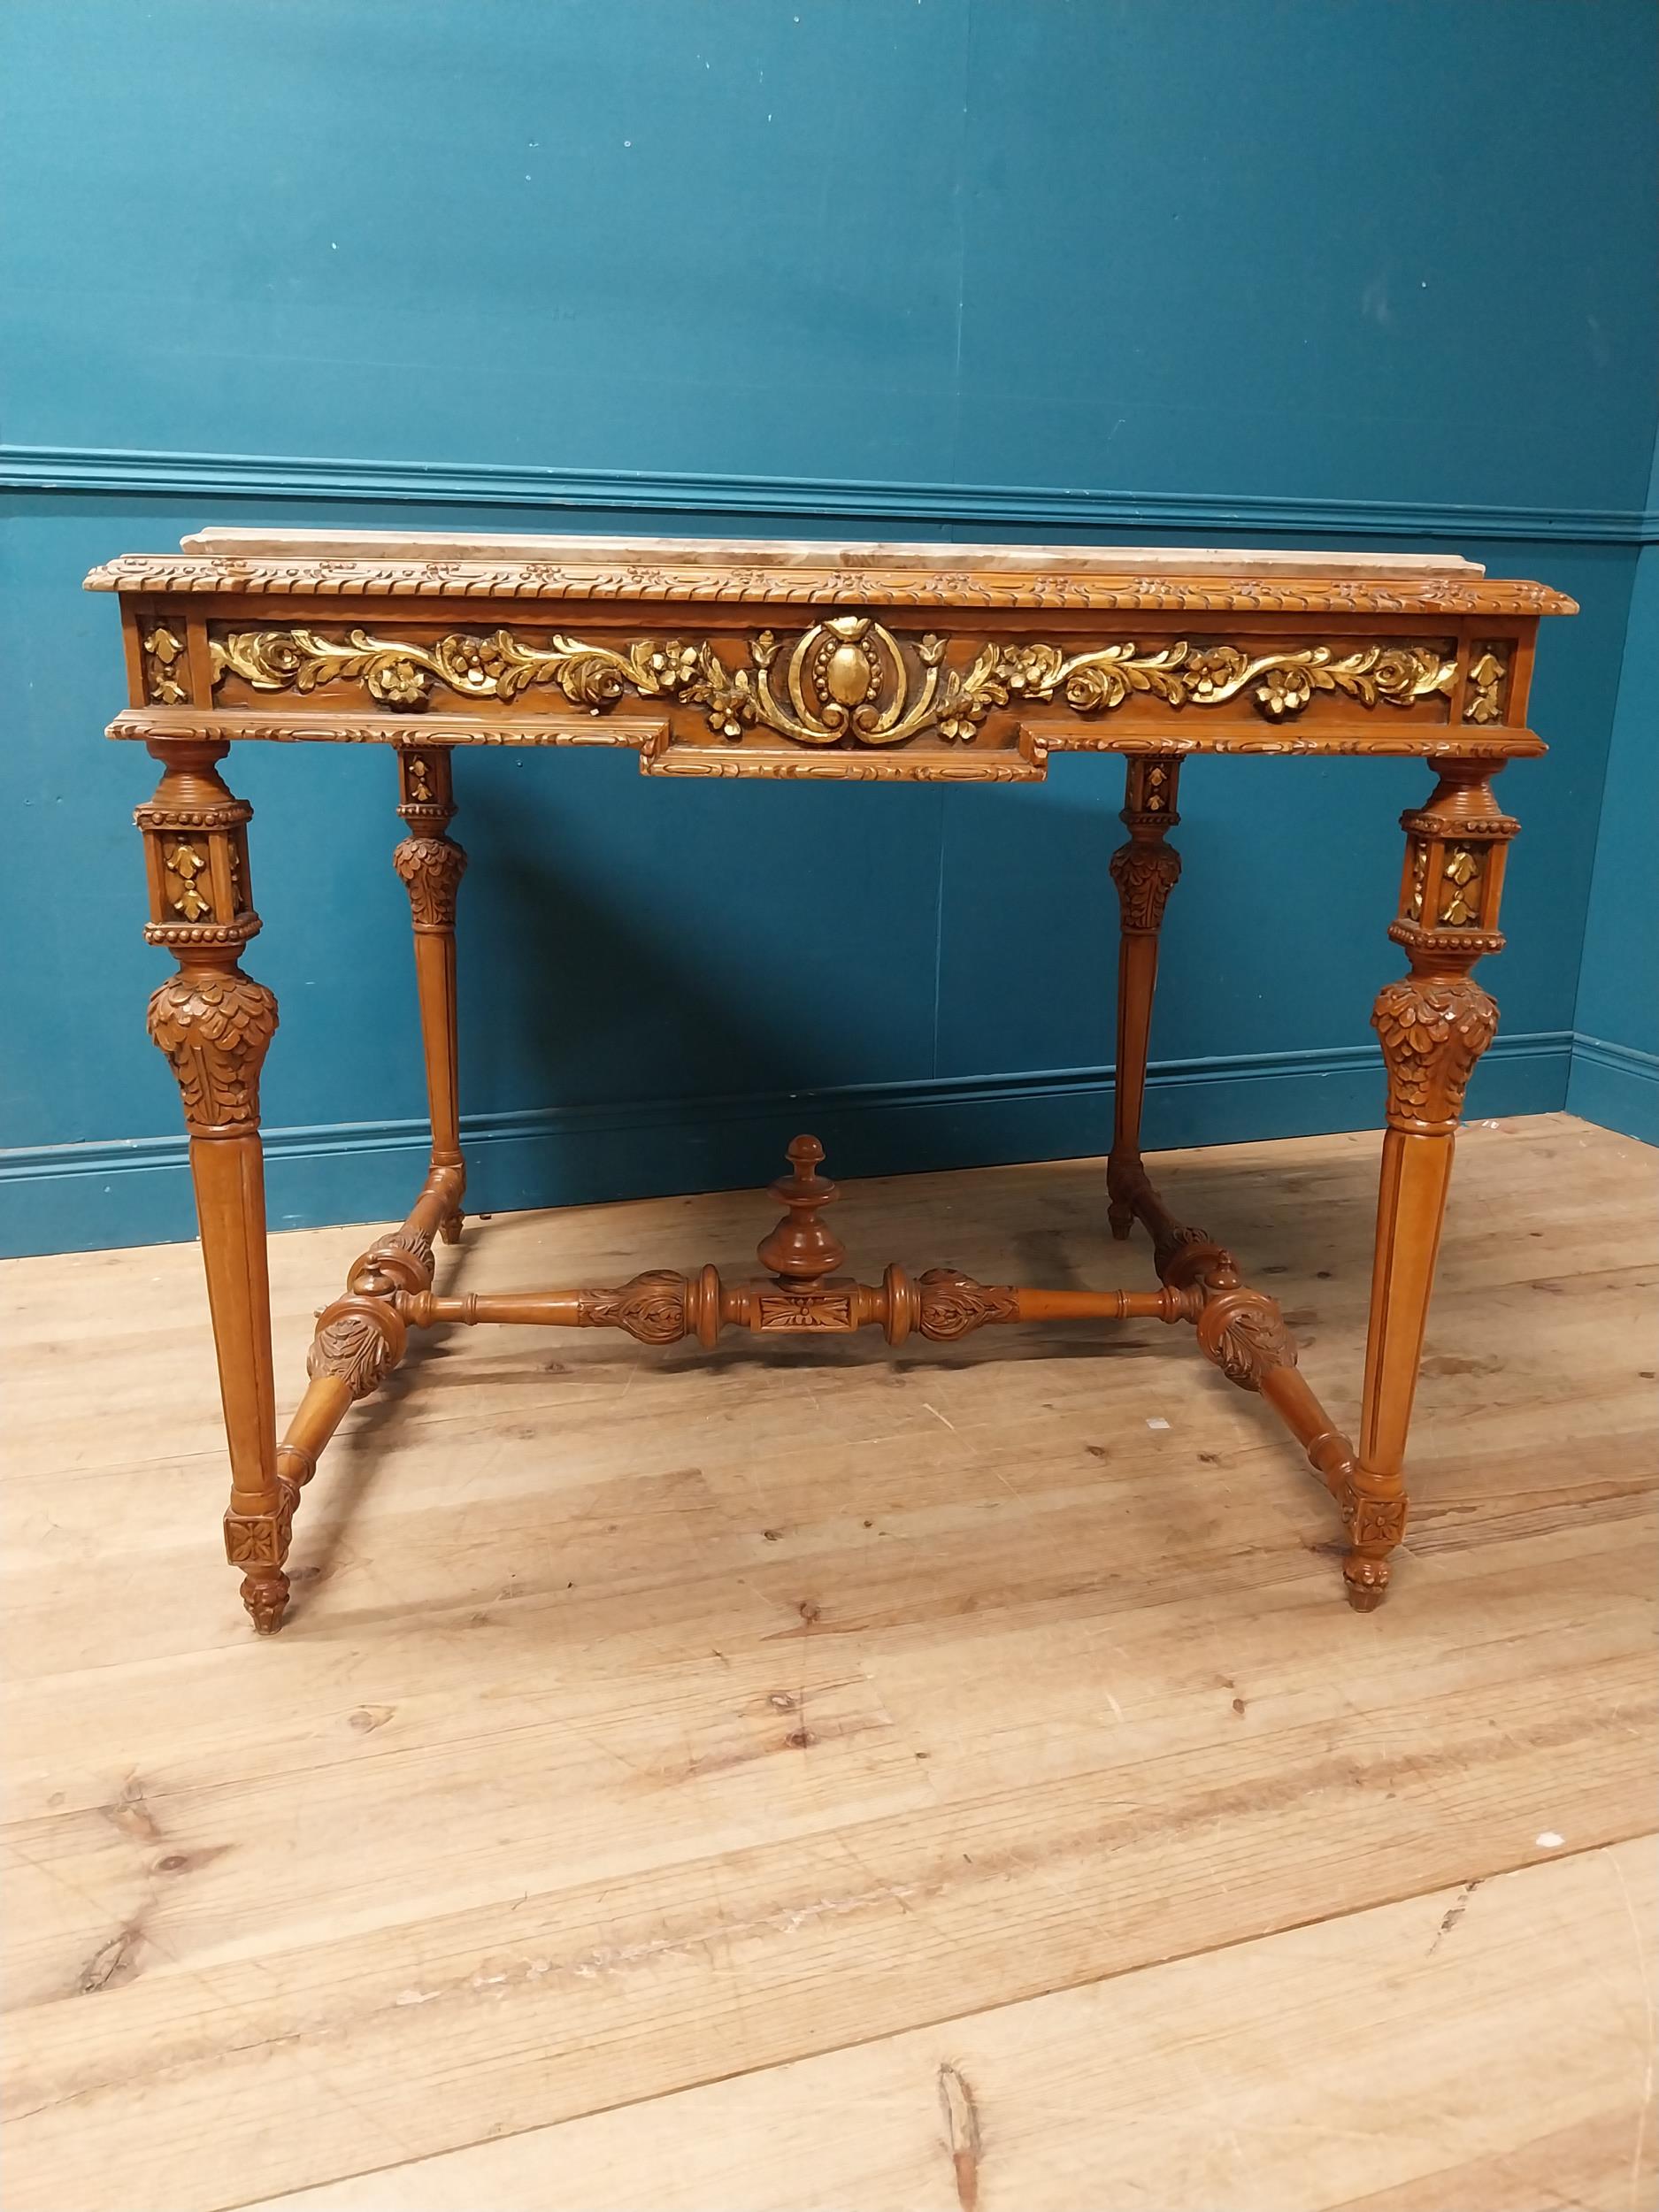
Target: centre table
pixel 962 664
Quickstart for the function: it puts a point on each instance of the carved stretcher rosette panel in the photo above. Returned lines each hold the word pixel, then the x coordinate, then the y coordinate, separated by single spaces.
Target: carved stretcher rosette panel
pixel 962 664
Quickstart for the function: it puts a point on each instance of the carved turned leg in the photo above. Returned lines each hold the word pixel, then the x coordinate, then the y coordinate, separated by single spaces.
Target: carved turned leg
pixel 1145 870
pixel 214 1024
pixel 1435 1023
pixel 431 865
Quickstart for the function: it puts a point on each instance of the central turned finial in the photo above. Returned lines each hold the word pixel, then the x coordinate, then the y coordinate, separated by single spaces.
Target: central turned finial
pixel 801 1250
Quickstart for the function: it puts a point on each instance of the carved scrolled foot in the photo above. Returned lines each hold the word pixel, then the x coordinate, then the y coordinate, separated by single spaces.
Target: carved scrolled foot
pixel 449 1228
pixel 265 1596
pixel 1121 1219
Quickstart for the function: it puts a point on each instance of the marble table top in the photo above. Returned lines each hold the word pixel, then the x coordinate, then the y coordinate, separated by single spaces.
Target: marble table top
pixel 815 553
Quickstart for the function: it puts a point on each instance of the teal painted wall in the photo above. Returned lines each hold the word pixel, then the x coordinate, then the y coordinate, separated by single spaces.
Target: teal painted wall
pixel 1357 268
pixel 1615 1072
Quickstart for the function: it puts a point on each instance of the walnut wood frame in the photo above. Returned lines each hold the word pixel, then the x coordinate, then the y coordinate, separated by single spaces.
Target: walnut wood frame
pixel 803 668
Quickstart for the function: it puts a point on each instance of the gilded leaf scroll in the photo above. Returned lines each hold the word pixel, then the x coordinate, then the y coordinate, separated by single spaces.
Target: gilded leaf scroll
pixel 845 680
pixel 499 666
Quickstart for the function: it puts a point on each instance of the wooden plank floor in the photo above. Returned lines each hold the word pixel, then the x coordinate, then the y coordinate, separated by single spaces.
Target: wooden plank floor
pixel 846 1778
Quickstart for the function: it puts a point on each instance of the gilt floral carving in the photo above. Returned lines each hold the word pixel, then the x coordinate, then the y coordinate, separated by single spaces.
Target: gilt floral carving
pixel 1483 700
pixel 185 865
pixel 1461 873
pixel 400 674
pixel 164 670
pixel 845 680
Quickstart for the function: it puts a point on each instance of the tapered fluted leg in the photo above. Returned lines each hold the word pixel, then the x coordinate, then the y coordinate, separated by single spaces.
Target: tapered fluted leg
pixel 431 865
pixel 214 1024
pixel 1435 1023
pixel 1145 870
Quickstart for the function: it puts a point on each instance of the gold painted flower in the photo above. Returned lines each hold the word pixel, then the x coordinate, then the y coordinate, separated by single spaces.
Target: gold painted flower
pixel 728 697
pixel 1211 675
pixel 1284 691
pixel 1397 673
pixel 398 683
pixel 671 667
pixel 471 664
pixel 1026 667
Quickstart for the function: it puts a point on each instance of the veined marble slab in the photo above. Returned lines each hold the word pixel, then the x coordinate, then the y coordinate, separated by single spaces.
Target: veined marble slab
pixel 818 553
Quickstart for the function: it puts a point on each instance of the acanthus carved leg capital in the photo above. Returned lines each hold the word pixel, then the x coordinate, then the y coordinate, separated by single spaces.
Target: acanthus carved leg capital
pixel 215 1025
pixel 1145 874
pixel 431 868
pixel 1433 1028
